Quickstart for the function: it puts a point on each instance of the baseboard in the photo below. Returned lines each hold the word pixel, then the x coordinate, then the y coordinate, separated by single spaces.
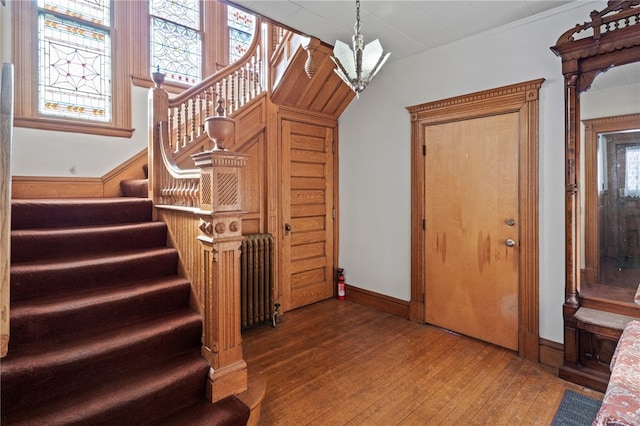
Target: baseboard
pixel 551 353
pixel 384 303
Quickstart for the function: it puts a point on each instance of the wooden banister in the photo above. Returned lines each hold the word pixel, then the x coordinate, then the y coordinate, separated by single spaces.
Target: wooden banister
pixel 6 136
pixel 197 191
pixel 182 133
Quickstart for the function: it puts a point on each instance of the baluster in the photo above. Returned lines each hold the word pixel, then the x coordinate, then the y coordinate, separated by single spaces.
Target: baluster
pixel 259 75
pixel 185 124
pixel 201 111
pixel 218 97
pixel 193 102
pixel 178 127
pixel 171 128
pixel 247 82
pixel 193 193
pixel 208 95
pixel 242 86
pixel 227 96
pixel 232 91
pixel 254 91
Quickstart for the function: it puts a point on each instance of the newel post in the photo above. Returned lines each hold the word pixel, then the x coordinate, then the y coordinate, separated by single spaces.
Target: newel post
pixel 158 106
pixel 220 236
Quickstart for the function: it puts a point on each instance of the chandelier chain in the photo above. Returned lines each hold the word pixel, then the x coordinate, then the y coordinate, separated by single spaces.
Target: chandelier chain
pixel 357 25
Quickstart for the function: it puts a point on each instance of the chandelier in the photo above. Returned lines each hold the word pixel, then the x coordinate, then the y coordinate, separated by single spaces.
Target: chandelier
pixel 358 67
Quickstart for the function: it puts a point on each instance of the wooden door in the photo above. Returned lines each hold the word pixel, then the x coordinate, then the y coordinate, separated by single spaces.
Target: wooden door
pixel 471 205
pixel 307 213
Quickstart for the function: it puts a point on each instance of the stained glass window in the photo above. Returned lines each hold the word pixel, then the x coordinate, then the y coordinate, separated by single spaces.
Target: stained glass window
pixel 74 53
pixel 176 42
pixel 241 28
pixel 632 171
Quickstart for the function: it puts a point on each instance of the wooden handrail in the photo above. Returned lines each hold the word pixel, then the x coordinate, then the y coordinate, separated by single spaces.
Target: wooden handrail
pixel 182 131
pixel 6 136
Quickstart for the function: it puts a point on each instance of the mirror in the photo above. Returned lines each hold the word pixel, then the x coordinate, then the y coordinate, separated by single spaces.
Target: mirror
pixel 610 229
pixel 602 210
pixel 610 40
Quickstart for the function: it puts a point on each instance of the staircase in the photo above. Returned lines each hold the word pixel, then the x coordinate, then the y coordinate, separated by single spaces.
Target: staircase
pixel 101 329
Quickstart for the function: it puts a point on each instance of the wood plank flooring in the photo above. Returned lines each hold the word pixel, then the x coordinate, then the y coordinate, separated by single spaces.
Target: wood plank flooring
pixel 341 363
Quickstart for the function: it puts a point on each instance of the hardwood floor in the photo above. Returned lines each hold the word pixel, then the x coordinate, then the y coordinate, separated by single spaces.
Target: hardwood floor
pixel 338 362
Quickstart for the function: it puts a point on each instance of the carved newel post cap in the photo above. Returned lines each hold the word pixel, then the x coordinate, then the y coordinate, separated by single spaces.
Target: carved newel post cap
pixel 158 78
pixel 220 130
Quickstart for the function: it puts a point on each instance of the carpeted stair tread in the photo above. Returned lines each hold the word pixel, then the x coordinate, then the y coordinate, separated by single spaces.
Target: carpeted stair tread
pixel 54 319
pixel 136 399
pixel 117 353
pixel 43 213
pixel 102 332
pixel 135 188
pixel 75 241
pixel 46 278
pixel 222 413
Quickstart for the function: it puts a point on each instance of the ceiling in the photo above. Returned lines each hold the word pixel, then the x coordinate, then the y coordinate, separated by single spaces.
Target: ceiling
pixel 404 28
pixel 407 28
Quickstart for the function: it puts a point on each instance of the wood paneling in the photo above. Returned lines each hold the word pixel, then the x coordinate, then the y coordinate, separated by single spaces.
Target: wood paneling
pixel 183 235
pixel 307 196
pixel 323 93
pixel 70 187
pixel 56 187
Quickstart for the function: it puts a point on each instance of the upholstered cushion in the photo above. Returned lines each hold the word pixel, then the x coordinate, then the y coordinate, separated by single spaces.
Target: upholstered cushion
pixel 621 404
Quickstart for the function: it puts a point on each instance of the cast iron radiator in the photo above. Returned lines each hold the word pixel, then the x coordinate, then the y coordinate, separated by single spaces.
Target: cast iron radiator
pixel 256 281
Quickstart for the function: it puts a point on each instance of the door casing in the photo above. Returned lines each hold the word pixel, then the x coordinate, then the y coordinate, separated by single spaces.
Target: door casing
pixel 524 99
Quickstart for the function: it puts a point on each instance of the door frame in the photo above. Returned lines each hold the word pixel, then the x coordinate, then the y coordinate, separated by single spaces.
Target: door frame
pixel 294 114
pixel 522 98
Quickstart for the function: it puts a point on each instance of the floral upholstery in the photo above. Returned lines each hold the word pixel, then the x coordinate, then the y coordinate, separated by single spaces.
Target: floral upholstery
pixel 621 404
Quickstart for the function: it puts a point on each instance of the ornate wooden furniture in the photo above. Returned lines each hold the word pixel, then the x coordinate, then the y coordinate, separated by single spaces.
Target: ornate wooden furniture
pixel 594 311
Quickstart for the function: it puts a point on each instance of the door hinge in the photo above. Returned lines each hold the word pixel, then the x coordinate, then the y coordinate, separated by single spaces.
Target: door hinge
pixel 424 150
pixel 333 147
pixel 424 224
pixel 333 213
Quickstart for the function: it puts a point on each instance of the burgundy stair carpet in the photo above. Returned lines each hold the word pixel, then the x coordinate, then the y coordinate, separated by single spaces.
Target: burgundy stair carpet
pixel 101 329
pixel 136 187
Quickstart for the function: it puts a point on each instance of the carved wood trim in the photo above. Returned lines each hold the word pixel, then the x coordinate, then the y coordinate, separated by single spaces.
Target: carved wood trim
pixel 611 38
pixel 522 98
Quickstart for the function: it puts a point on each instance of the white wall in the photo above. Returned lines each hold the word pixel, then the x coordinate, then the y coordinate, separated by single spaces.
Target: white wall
pixel 47 153
pixel 375 142
pixel 375 155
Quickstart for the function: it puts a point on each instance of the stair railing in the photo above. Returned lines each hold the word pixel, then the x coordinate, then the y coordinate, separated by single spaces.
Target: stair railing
pixel 202 204
pixel 6 136
pixel 177 123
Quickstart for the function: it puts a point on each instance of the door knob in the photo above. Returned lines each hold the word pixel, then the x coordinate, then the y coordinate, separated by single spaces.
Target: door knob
pixel 287 229
pixel 509 242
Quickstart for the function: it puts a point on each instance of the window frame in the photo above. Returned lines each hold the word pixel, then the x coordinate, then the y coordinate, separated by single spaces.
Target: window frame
pixel 214 36
pixel 25 58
